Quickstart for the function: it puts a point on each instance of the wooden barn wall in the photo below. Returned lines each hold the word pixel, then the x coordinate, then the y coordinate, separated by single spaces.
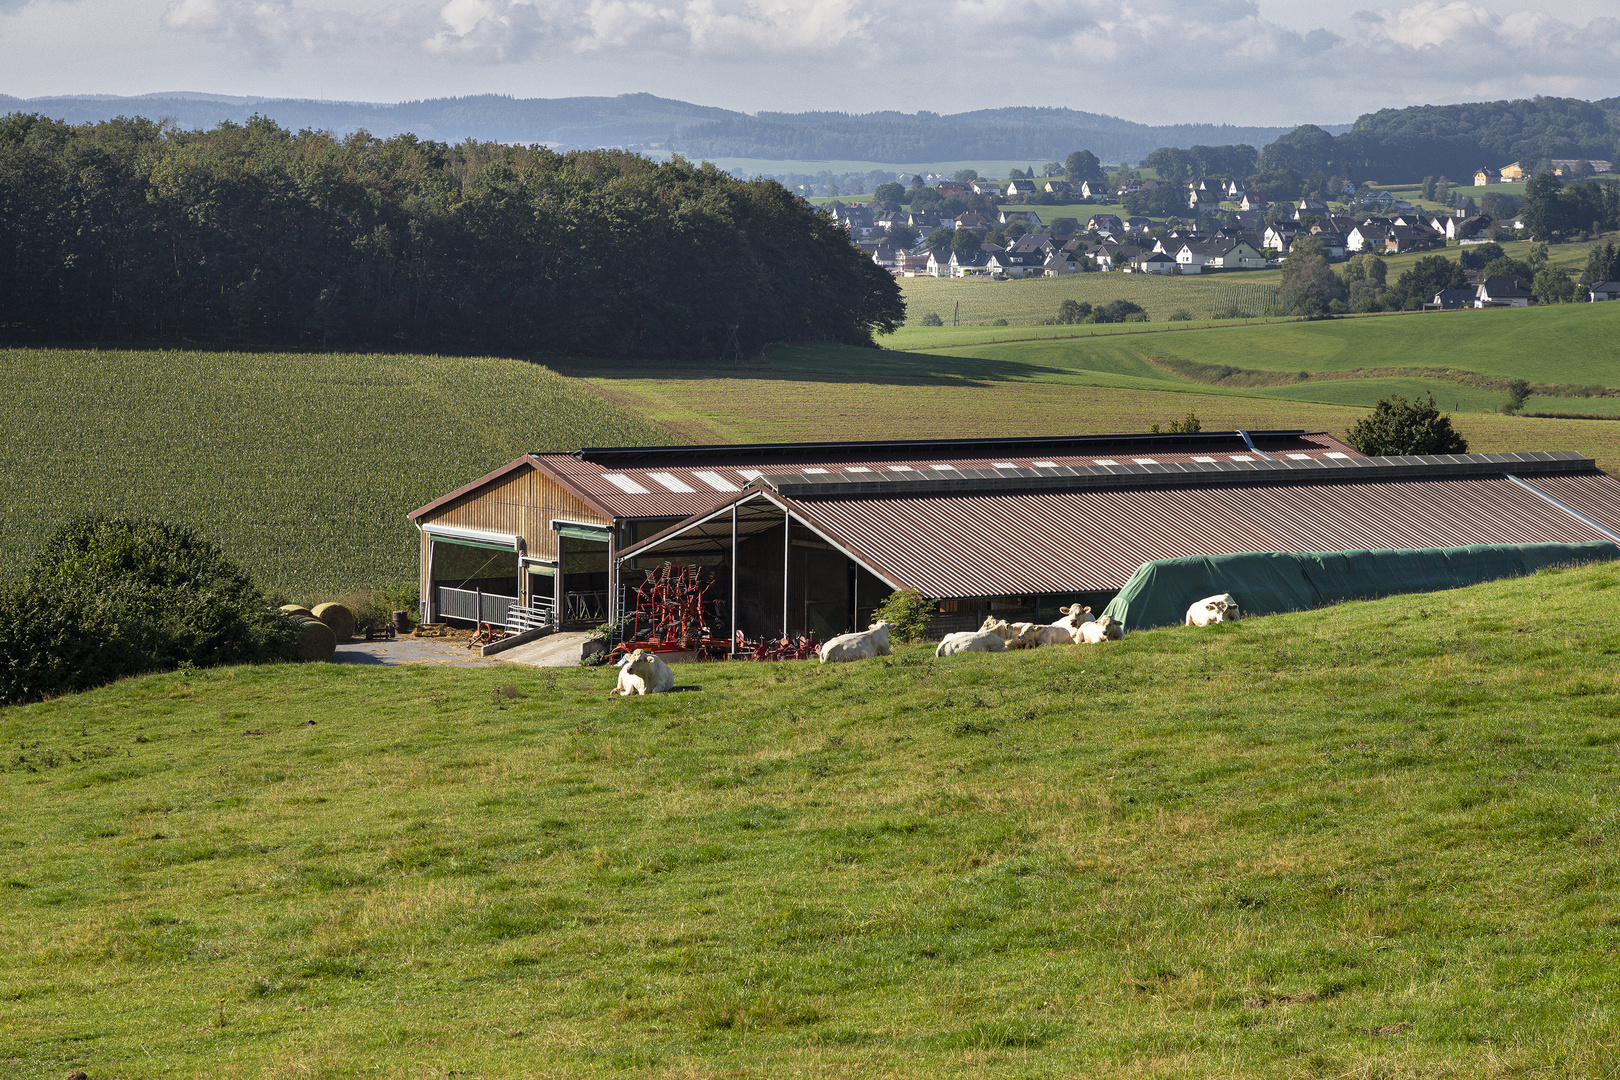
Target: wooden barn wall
pixel 523 504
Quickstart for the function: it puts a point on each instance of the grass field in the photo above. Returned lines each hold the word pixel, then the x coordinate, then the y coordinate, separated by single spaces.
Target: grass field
pixel 1030 301
pixel 1378 840
pixel 303 465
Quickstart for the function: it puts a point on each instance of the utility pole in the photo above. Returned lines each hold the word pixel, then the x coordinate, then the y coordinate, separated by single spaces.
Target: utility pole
pixel 956 310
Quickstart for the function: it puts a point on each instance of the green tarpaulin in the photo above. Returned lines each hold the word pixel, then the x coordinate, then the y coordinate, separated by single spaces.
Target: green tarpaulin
pixel 1267 582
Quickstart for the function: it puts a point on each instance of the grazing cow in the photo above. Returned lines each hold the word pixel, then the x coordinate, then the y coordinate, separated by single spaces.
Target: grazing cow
pixel 1104 629
pixel 968 641
pixel 641 672
pixel 1213 609
pixel 874 641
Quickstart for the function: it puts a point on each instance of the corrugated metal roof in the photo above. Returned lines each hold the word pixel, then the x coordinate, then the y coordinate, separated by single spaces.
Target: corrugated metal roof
pixel 993 544
pixel 1011 539
pixel 1595 494
pixel 648 482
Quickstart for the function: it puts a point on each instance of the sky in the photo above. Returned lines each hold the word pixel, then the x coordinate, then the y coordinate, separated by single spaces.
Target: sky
pixel 1261 62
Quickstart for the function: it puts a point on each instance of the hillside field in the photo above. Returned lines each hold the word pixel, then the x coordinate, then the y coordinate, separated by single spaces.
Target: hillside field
pixel 1031 301
pixel 302 464
pixel 995 381
pixel 1375 840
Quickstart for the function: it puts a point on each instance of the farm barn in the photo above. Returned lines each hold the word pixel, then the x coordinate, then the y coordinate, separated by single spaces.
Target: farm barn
pixel 810 537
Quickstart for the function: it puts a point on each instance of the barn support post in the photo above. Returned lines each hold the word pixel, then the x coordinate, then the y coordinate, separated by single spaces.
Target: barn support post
pixel 559 598
pixel 787 534
pixel 430 608
pixel 613 573
pixel 732 606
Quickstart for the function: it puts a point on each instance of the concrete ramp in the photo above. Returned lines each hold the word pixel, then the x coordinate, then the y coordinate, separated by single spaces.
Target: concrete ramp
pixel 564 649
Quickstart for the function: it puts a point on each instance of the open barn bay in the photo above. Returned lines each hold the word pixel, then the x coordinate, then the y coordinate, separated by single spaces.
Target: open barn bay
pixel 1375 840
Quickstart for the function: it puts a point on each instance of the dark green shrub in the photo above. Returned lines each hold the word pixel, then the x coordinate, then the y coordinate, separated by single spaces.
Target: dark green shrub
pixel 1398 426
pixel 109 597
pixel 931 319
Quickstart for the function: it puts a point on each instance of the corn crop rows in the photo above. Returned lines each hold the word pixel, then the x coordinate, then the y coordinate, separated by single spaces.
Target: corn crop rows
pixel 303 465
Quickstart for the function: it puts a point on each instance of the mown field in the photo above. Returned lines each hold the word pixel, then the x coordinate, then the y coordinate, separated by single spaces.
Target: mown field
pixel 1032 301
pixel 302 464
pixel 1376 840
pixel 994 381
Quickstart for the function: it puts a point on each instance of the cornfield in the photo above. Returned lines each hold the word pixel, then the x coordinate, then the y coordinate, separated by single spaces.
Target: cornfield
pixel 302 465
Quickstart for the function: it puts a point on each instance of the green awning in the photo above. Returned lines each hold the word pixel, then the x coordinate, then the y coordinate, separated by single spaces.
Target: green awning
pixel 487 545
pixel 582 532
pixel 544 571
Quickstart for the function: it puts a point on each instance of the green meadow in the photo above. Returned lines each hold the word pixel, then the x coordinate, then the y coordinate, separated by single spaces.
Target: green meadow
pixel 1375 840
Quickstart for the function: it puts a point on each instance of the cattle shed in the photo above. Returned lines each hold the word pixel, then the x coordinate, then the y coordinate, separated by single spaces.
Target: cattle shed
pixel 814 550
pixel 541 539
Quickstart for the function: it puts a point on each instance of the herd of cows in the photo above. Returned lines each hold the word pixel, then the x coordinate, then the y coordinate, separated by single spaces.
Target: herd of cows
pixel 642 672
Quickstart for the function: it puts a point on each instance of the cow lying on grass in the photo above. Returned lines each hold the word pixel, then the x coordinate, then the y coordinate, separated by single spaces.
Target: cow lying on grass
pixel 874 641
pixel 641 672
pixel 1213 609
pixel 1106 628
pixel 971 641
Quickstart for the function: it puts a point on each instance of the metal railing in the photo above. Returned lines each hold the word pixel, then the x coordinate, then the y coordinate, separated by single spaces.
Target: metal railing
pixel 474 605
pixel 538 616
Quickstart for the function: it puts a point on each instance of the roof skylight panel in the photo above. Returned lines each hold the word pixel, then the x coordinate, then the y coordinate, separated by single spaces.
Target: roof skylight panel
pixel 668 480
pixel 625 484
pixel 716 481
pixel 1144 461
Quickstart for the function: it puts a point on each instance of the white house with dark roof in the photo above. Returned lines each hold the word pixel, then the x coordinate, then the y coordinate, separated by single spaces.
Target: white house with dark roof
pixel 1502 290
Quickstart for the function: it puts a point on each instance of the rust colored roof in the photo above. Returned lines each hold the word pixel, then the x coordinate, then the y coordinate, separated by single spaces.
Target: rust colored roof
pixel 1016 535
pixel 648 482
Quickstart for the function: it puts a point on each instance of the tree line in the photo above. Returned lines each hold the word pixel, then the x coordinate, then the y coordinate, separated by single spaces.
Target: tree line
pixel 249 233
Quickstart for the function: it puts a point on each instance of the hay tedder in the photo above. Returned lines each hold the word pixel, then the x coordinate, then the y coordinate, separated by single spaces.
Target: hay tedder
pixel 671 612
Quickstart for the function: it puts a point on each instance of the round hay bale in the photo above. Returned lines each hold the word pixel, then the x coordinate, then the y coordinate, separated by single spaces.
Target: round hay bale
pixel 316 641
pixel 294 609
pixel 338 617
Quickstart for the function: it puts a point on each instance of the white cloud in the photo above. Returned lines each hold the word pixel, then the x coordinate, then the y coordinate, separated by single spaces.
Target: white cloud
pixel 268 29
pixel 512 30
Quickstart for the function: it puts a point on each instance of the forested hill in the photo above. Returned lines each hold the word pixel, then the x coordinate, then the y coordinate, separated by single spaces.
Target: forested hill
pixel 1454 140
pixel 629 121
pixel 1033 133
pixel 645 123
pixel 125 231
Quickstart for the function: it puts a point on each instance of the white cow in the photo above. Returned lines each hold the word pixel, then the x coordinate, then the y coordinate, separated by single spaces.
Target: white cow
pixel 641 672
pixel 1055 634
pixel 1018 635
pixel 1104 629
pixel 969 641
pixel 1073 616
pixel 874 641
pixel 1213 609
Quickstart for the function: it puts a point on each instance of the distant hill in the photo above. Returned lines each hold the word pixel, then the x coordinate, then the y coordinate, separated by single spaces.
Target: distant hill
pixel 1037 134
pixel 1390 145
pixel 1455 140
pixel 647 123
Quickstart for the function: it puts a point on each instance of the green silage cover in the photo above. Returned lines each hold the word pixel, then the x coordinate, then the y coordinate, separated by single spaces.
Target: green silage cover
pixel 1267 582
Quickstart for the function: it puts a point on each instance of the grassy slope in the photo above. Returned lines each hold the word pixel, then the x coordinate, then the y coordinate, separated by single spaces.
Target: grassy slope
pixel 1028 302
pixel 1052 380
pixel 303 465
pixel 1240 851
